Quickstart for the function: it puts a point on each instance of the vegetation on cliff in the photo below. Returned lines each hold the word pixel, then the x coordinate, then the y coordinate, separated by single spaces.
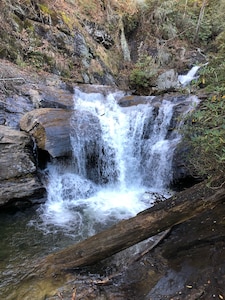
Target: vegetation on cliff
pixel 179 27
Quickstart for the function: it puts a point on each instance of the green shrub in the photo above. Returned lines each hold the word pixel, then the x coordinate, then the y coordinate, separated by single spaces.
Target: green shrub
pixel 144 72
pixel 204 132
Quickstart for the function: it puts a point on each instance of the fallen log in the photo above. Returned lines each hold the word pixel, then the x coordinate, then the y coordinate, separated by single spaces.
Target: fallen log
pixel 161 216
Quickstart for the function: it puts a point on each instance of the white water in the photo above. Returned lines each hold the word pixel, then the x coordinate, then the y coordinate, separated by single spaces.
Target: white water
pixel 191 75
pixel 121 156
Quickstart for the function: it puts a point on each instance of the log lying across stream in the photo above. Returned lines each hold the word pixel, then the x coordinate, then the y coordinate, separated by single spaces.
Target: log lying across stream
pixel 161 216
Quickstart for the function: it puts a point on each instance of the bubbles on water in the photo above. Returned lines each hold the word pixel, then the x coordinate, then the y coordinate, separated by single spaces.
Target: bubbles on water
pixel 79 208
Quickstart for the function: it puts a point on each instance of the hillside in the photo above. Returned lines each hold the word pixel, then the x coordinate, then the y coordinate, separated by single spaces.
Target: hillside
pixel 108 42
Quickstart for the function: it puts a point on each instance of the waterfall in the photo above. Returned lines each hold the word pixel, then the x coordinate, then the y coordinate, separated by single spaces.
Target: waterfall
pixel 191 75
pixel 121 155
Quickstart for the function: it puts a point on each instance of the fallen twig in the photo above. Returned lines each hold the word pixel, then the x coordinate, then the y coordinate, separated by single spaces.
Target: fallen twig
pixel 13 79
pixel 156 242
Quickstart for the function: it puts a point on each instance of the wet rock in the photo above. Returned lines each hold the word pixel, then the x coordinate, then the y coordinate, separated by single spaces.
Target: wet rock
pixel 18 178
pixel 187 264
pixel 194 253
pixel 131 100
pixel 97 88
pixel 167 81
pixel 51 129
pixel 21 192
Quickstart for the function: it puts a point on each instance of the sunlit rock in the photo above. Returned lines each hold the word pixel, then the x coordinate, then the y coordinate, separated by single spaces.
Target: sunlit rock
pixel 51 129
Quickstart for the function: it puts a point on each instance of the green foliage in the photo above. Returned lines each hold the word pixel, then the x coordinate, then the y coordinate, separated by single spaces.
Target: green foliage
pixel 144 72
pixel 180 18
pixel 213 76
pixel 204 132
pixel 67 20
pixel 130 22
pixel 45 9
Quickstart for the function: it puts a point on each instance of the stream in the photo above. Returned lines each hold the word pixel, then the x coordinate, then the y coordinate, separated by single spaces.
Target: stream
pixel 121 164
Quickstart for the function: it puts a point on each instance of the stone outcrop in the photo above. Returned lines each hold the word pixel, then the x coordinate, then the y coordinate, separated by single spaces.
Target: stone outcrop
pixel 20 93
pixel 51 129
pixel 18 177
pixel 167 81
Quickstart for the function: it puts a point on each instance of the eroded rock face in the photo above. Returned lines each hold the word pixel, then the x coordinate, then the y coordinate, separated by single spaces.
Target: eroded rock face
pixel 18 177
pixel 51 129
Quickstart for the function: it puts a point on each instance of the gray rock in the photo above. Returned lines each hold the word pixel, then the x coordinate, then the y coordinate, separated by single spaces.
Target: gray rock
pixel 51 129
pixel 50 97
pixel 10 111
pixel 80 47
pixel 18 177
pixel 16 153
pixel 167 81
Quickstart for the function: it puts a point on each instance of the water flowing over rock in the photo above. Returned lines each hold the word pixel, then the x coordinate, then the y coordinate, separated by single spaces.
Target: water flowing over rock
pixel 120 148
pixel 18 169
pixel 191 75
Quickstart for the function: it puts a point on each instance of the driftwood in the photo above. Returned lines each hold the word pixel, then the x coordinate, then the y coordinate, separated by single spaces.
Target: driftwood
pixel 163 215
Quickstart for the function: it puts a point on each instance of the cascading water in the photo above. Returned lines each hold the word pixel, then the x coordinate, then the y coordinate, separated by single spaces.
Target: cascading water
pixel 120 156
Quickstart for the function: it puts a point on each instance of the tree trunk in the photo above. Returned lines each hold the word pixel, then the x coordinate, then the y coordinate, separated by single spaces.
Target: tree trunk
pixel 163 215
pixel 200 18
pixel 185 8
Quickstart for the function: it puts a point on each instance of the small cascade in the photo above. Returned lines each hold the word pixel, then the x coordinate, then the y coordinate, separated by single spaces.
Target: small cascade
pixel 191 75
pixel 119 155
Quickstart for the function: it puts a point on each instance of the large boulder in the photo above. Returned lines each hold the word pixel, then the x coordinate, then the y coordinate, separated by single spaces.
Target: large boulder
pixel 167 81
pixel 51 129
pixel 18 177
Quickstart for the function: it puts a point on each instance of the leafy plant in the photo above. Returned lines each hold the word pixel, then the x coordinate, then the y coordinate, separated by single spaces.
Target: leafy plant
pixel 204 132
pixel 144 72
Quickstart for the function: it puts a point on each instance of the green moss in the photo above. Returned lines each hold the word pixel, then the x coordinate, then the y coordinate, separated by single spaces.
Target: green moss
pixel 67 20
pixel 20 62
pixel 18 22
pixel 29 25
pixel 51 14
pixel 45 9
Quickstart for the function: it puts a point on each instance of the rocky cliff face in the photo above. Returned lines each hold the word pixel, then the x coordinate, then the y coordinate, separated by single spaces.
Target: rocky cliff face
pixel 69 39
pixel 97 42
